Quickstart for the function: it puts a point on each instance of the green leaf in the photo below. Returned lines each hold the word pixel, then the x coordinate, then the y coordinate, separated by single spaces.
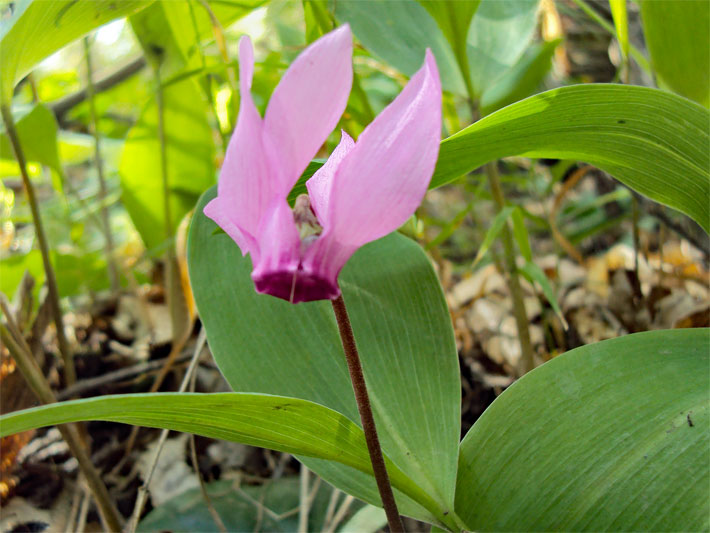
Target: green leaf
pixel 285 424
pixel 678 39
pixel 522 79
pixel 400 32
pixel 290 425
pixel 500 219
pixel 404 334
pixel 534 273
pixel 454 20
pixel 37 130
pixel 612 436
pixel 661 154
pixel 190 159
pixel 499 34
pixel 621 22
pixel 317 17
pixel 39 28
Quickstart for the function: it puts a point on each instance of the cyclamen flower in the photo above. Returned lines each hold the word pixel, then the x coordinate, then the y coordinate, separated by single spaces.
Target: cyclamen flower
pixel 364 191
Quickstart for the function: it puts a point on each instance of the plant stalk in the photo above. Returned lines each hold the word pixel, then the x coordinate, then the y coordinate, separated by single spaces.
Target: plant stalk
pixel 27 365
pixel 368 422
pixel 53 292
pixel 98 161
pixel 516 291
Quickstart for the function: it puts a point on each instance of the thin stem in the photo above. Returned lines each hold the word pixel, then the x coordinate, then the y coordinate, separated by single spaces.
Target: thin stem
pixel 160 103
pixel 98 161
pixel 368 422
pixel 516 291
pixel 53 292
pixel 641 61
pixel 21 353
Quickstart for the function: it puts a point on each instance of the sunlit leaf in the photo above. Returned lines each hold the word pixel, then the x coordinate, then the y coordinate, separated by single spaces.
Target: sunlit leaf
pixel 190 162
pixel 661 154
pixel 37 131
pixel 280 423
pixel 38 28
pixel 621 22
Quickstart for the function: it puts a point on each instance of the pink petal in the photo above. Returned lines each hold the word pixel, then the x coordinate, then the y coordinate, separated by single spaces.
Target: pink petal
pixel 308 102
pixel 383 178
pixel 245 186
pixel 222 214
pixel 279 247
pixel 320 183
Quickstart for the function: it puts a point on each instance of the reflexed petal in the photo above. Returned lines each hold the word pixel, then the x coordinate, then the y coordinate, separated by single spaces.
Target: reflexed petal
pixel 245 186
pixel 319 184
pixel 308 102
pixel 383 178
pixel 381 182
pixel 222 214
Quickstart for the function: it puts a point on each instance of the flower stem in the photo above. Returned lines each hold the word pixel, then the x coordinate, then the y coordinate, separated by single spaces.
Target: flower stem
pixel 53 292
pixel 368 422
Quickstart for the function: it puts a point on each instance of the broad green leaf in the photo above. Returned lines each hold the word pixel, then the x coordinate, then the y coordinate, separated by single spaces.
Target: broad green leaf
pixel 612 436
pixel 653 141
pixel 498 222
pixel 399 32
pixel 454 20
pixel 533 274
pixel 238 506
pixel 499 34
pixel 37 130
pixel 280 423
pixel 621 22
pixel 404 336
pixel 522 79
pixel 39 28
pixel 678 39
pixel 190 161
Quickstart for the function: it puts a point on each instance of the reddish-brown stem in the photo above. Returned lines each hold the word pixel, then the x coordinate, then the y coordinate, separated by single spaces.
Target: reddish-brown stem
pixel 368 422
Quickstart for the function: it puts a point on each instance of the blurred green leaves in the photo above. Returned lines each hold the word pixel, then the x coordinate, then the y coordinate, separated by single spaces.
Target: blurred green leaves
pixel 37 130
pixel 190 160
pixel 38 28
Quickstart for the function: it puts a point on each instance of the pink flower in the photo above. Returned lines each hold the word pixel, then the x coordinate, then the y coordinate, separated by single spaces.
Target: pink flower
pixel 364 191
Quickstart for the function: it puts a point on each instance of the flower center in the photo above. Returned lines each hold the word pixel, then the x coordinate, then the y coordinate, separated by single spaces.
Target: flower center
pixel 306 221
